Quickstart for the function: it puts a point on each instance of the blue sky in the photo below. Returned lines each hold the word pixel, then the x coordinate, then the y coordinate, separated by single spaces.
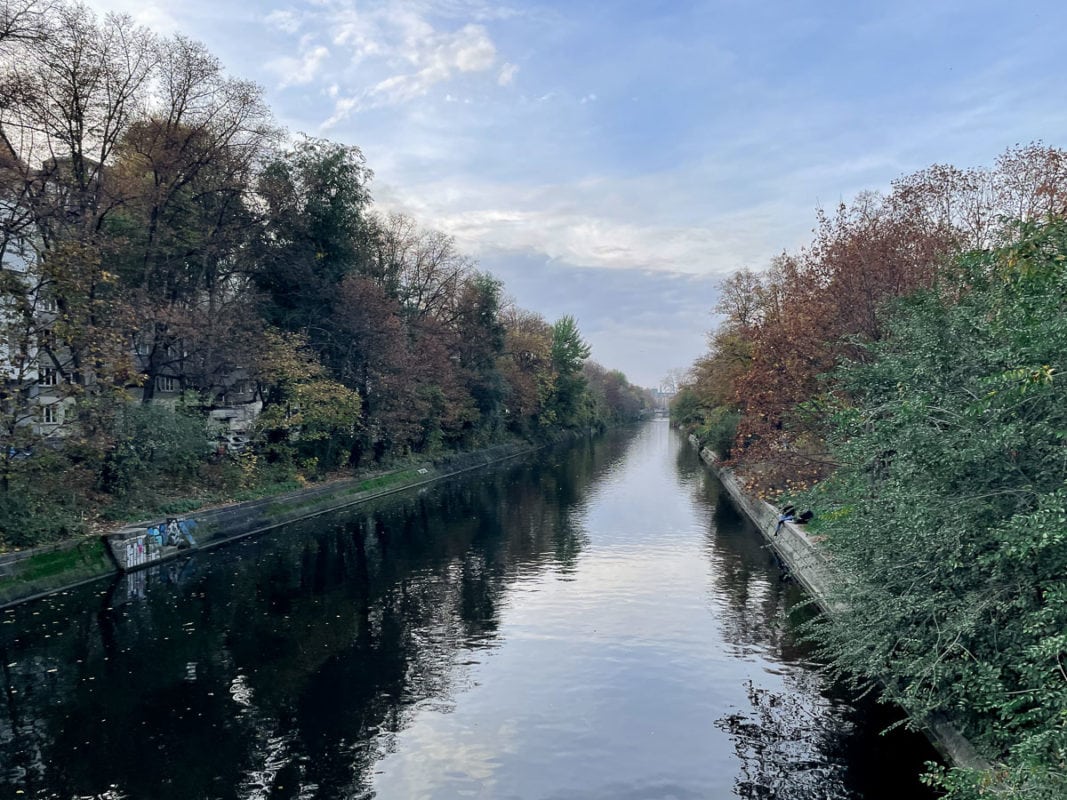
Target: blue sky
pixel 614 160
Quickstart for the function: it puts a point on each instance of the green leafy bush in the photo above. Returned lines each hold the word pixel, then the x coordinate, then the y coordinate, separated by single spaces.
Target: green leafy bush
pixel 152 442
pixel 718 430
pixel 949 511
pixel 43 502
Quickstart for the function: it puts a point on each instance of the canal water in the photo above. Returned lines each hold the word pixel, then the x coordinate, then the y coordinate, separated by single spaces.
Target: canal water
pixel 596 623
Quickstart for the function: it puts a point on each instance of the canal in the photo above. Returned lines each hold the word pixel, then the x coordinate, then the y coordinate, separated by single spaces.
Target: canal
pixel 595 623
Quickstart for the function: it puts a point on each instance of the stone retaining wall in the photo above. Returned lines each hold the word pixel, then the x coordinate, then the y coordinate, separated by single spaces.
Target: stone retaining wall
pixel 809 563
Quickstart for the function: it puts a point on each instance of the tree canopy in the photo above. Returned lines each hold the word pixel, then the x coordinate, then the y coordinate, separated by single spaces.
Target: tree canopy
pixel 164 242
pixel 902 376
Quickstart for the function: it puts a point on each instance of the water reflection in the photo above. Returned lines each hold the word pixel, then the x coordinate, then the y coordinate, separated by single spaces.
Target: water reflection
pixel 787 745
pixel 798 741
pixel 586 624
pixel 284 666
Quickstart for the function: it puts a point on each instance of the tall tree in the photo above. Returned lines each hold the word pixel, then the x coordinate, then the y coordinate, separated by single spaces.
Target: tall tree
pixel 316 195
pixel 480 341
pixel 187 224
pixel 72 86
pixel 305 412
pixel 569 350
pixel 526 366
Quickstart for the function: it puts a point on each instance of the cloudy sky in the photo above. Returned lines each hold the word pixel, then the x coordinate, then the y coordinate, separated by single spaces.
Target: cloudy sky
pixel 613 159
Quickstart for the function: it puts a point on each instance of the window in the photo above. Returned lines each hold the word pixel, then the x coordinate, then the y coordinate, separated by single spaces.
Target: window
pixel 166 383
pixel 47 304
pixel 48 338
pixel 50 414
pixel 49 377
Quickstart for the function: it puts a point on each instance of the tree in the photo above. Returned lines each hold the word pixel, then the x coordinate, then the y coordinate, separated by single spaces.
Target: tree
pixel 23 21
pixel 316 195
pixel 186 225
pixel 526 366
pixel 616 400
pixel 1027 183
pixel 740 297
pixel 480 337
pixel 305 413
pixel 415 397
pixel 422 269
pixel 569 350
pixel 812 309
pixel 72 86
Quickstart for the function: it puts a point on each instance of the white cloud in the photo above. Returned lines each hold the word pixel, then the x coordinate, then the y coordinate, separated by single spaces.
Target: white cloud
pixel 342 109
pixel 285 21
pixel 507 74
pixel 377 53
pixel 436 56
pixel 360 34
pixel 299 71
pixel 582 225
pixel 439 55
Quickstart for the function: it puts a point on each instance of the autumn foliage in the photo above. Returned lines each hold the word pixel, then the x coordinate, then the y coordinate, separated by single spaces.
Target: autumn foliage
pixel 161 235
pixel 902 377
pixel 785 328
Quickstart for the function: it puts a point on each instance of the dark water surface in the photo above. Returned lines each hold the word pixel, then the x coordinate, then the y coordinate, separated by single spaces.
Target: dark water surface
pixel 596 624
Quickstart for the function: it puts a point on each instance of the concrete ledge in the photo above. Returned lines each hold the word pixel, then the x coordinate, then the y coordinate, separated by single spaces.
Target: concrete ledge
pixel 809 563
pixel 223 525
pixel 813 569
pixel 29 574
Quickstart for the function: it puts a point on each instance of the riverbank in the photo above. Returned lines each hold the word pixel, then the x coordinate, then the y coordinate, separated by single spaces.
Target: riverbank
pixel 811 566
pixel 37 572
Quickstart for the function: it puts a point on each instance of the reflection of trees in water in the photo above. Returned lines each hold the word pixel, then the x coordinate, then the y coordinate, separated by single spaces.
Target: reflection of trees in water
pixel 788 745
pixel 754 595
pixel 802 742
pixel 798 742
pixel 761 598
pixel 788 742
pixel 291 660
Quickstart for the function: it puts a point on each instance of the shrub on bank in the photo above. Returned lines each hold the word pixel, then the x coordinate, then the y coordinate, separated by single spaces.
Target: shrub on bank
pixel 949 508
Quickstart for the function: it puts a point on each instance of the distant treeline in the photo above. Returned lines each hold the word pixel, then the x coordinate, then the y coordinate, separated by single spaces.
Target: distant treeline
pixel 904 376
pixel 162 238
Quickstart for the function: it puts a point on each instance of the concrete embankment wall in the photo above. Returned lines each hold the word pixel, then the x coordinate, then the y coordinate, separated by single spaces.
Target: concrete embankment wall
pixel 29 574
pixel 812 567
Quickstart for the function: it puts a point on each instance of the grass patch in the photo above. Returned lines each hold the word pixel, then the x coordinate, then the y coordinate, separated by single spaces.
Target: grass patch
pixel 165 507
pixel 370 484
pixel 180 506
pixel 85 557
pixel 259 492
pixel 389 479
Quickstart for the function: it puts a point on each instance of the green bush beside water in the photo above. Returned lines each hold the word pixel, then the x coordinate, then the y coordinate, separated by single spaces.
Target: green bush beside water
pixel 949 508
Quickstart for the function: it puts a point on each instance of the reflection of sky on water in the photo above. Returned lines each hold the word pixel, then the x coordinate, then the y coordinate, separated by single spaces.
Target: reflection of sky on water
pixel 593 624
pixel 615 681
